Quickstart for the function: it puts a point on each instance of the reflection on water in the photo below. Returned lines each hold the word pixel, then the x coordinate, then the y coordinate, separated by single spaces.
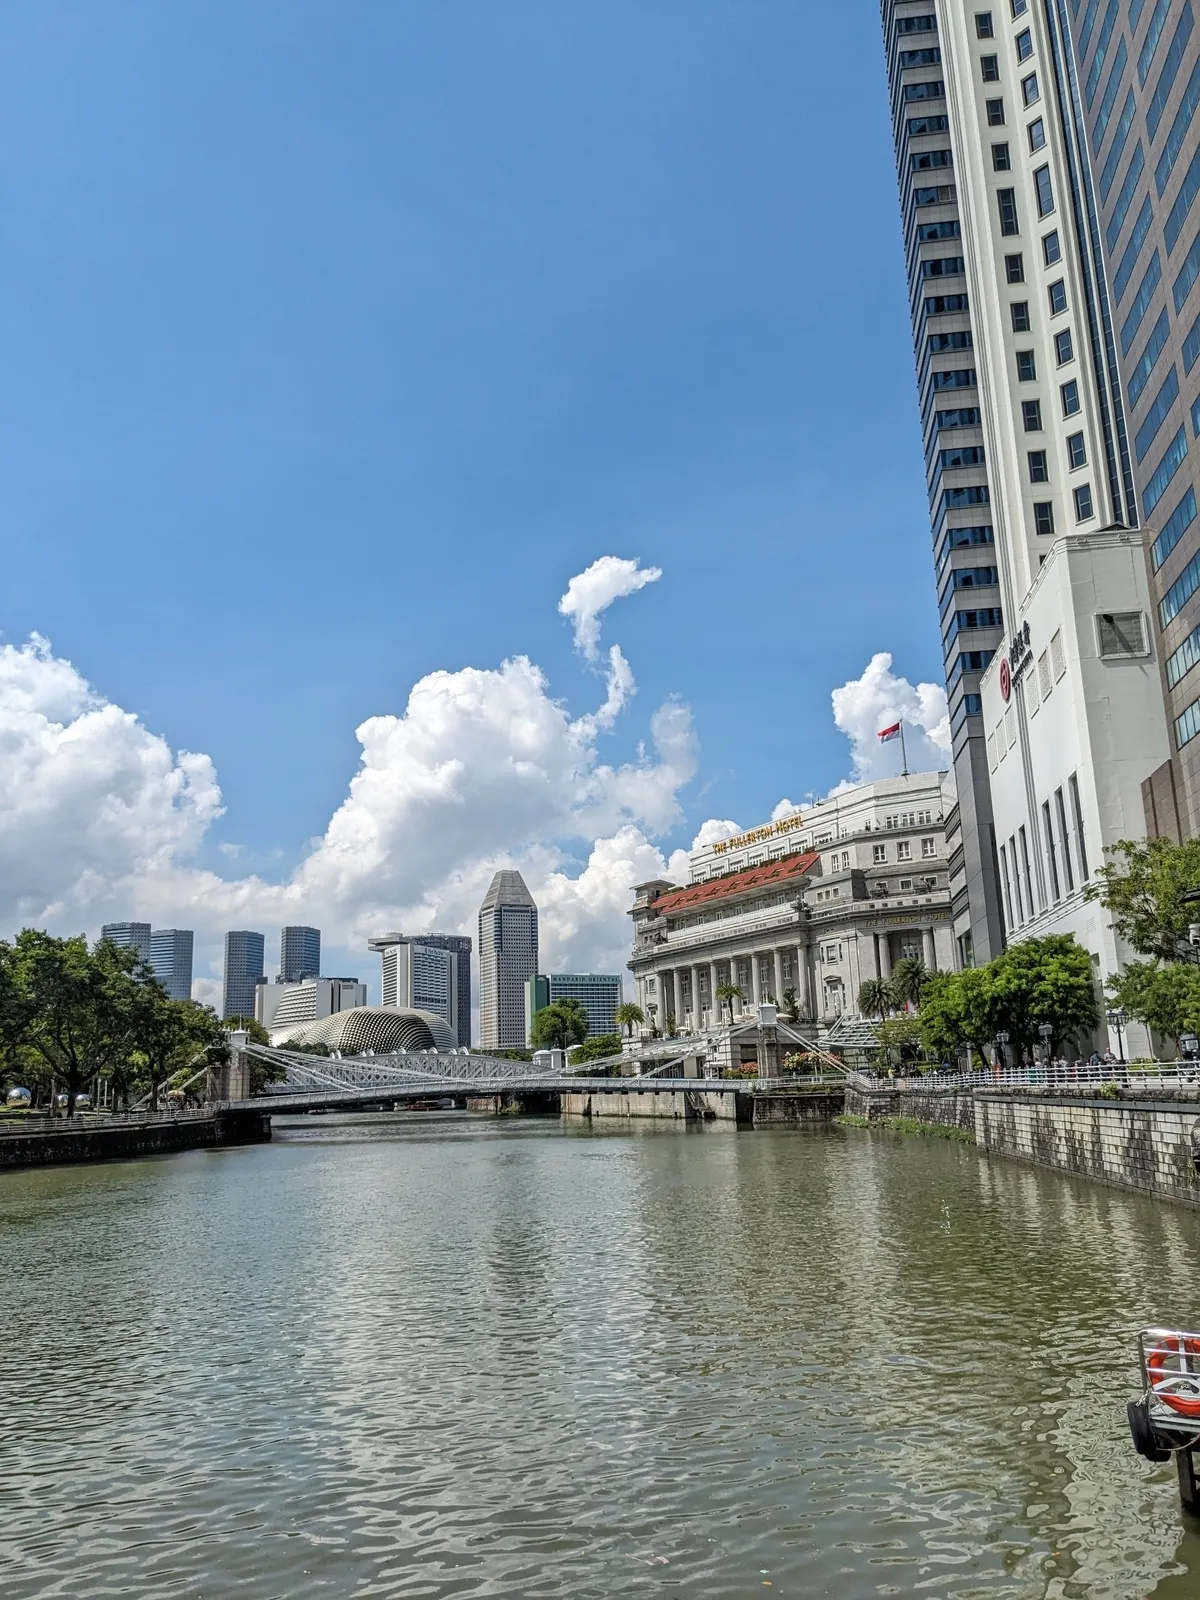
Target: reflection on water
pixel 439 1356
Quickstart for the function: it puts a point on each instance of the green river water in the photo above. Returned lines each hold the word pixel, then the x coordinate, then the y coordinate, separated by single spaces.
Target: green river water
pixel 440 1356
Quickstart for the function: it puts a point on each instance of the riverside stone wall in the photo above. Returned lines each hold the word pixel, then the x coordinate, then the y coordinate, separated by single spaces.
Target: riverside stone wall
pixel 1132 1143
pixel 99 1141
pixel 941 1107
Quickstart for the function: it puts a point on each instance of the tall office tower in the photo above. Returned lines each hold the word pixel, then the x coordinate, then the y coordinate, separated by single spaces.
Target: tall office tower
pixel 243 972
pixel 1136 81
pixel 1025 421
pixel 599 993
pixel 299 954
pixel 171 958
pixel 129 934
pixel 508 958
pixel 428 971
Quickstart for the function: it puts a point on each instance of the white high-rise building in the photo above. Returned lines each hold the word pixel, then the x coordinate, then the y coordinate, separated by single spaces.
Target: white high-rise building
pixel 508 958
pixel 428 972
pixel 1056 711
pixel 283 1007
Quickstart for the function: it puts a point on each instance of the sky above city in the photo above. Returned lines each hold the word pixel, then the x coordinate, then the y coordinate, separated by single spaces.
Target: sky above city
pixel 438 437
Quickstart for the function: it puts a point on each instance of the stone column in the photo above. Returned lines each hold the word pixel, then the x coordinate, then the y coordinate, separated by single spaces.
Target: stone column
pixel 803 1004
pixel 696 1023
pixel 930 949
pixel 885 956
pixel 673 1007
pixel 777 970
pixel 755 980
pixel 714 1010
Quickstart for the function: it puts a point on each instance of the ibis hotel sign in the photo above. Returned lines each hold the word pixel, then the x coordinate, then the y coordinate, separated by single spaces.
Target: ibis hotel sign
pixel 1017 661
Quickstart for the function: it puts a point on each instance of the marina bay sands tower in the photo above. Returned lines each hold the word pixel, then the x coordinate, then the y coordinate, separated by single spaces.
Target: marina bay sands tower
pixel 508 958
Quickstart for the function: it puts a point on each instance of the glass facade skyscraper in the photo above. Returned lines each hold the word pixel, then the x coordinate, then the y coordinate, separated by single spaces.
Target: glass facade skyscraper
pixel 508 958
pixel 129 935
pixel 171 958
pixel 243 972
pixel 299 954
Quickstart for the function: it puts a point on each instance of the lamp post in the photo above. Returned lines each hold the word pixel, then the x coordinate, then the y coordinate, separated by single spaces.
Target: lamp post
pixel 1045 1034
pixel 1000 1041
pixel 1117 1018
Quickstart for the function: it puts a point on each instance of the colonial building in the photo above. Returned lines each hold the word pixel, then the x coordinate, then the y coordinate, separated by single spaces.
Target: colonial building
pixel 807 907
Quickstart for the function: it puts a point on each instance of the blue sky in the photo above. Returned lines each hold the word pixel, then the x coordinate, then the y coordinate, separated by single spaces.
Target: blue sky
pixel 339 336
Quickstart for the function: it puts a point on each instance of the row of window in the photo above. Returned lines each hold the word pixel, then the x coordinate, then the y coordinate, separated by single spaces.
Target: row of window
pixel 1065 850
pixel 1001 153
pixel 1031 410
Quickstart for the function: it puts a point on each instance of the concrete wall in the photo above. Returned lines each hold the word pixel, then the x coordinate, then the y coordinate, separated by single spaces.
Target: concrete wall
pixel 1152 1146
pixel 946 1108
pixel 93 1141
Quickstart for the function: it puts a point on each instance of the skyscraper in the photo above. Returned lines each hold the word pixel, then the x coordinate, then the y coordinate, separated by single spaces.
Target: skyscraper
pixel 135 935
pixel 428 971
pixel 1055 708
pixel 243 971
pixel 171 958
pixel 299 954
pixel 599 993
pixel 1135 79
pixel 508 958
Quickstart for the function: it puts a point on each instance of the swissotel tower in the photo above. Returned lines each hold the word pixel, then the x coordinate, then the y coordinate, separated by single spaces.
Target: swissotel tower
pixel 1045 275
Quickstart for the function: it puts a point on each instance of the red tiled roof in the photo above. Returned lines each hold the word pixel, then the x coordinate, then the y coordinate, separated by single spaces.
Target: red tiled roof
pixel 786 869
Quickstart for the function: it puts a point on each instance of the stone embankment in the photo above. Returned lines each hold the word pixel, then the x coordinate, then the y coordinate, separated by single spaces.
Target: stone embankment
pixel 93 1139
pixel 1131 1137
pixel 790 1107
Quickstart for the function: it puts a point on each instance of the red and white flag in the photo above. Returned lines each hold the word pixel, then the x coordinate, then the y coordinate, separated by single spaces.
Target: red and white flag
pixel 889 733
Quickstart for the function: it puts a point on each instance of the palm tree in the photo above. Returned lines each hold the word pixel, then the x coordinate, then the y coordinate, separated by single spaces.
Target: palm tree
pixel 791 1011
pixel 727 993
pixel 909 977
pixel 876 998
pixel 630 1016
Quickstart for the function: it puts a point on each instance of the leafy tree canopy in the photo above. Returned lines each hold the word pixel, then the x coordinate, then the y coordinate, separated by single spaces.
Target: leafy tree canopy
pixel 1166 999
pixel 1140 887
pixel 559 1026
pixel 604 1044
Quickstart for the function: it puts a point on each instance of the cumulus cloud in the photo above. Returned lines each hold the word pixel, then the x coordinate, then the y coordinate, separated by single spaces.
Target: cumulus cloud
pixel 483 767
pixel 589 595
pixel 785 808
pixel 876 700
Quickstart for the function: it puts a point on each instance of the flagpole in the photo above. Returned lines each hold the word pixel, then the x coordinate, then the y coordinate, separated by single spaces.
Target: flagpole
pixel 903 749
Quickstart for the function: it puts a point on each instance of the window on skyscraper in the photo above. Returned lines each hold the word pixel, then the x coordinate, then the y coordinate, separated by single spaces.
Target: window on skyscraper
pixel 1051 249
pixel 983 25
pixel 1045 191
pixel 1024 43
pixel 1026 366
pixel 1020 316
pixel 1076 450
pixel 1083 502
pixel 1037 135
pixel 1070 398
pixel 1030 92
pixel 1001 161
pixel 1014 269
pixel 989 66
pixel 1043 516
pixel 1039 472
pixel 1006 199
pixel 1031 415
pixel 1057 293
pixel 995 113
pixel 1062 347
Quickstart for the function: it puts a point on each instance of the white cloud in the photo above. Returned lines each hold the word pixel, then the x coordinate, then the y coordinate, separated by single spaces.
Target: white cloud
pixel 877 699
pixel 713 831
pixel 785 808
pixel 100 820
pixel 589 594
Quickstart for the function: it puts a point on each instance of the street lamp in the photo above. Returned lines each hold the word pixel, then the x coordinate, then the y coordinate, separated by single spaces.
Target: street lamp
pixel 1000 1041
pixel 1045 1033
pixel 1117 1018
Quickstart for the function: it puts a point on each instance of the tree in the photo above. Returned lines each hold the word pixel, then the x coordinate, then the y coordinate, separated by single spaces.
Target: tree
pixel 790 1011
pixel 604 1044
pixel 73 1008
pixel 875 998
pixel 1140 887
pixel 174 1036
pixel 559 1026
pixel 727 993
pixel 901 1036
pixel 1042 981
pixel 1165 998
pixel 630 1016
pixel 909 978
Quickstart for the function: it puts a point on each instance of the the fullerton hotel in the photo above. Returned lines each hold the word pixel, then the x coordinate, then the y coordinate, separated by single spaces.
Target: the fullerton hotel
pixel 816 903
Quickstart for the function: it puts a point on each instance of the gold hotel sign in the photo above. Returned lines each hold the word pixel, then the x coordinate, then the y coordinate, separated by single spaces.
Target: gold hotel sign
pixel 770 831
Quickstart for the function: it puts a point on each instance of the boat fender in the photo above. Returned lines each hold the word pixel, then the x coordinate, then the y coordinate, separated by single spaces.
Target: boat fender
pixel 1145 1441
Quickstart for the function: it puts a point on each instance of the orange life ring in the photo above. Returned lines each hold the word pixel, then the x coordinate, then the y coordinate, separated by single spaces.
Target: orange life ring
pixel 1163 1377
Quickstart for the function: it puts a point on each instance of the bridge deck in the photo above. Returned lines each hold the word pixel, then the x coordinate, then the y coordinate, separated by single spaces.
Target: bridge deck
pixel 300 1100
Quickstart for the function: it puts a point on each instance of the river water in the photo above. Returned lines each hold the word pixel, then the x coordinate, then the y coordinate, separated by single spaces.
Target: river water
pixel 439 1356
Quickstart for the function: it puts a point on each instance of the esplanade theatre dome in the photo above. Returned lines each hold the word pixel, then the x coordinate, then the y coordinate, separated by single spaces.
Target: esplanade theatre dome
pixel 379 1028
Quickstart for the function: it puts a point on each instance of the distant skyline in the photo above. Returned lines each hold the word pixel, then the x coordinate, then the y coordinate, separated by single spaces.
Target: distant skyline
pixel 338 356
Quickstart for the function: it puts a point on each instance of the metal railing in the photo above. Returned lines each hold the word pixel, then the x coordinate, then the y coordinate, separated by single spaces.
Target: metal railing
pixel 1127 1075
pixel 85 1121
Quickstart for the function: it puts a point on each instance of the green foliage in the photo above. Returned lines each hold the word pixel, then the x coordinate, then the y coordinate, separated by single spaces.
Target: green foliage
pixel 909 979
pixel 1165 998
pixel 1140 887
pixel 1038 980
pixel 727 993
pixel 559 1026
pixel 630 1016
pixel 875 998
pixel 69 1014
pixel 604 1044
pixel 789 1011
pixel 899 1038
